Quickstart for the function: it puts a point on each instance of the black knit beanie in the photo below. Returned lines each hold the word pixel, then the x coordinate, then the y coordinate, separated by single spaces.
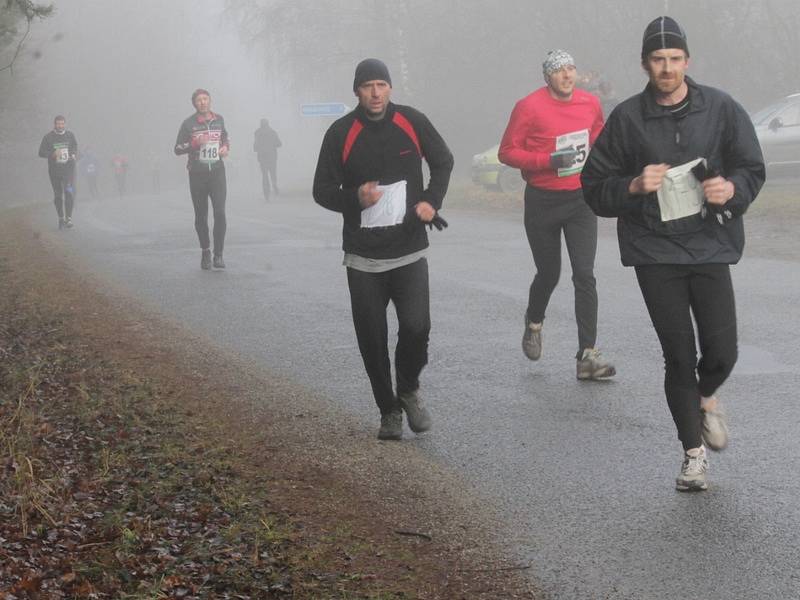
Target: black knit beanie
pixel 371 69
pixel 663 32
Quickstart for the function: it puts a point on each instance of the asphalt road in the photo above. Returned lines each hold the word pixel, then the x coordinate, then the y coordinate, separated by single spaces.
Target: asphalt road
pixel 581 473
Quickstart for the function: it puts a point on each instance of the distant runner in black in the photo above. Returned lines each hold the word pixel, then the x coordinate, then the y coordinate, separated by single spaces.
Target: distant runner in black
pixel 60 148
pixel 204 138
pixel 265 144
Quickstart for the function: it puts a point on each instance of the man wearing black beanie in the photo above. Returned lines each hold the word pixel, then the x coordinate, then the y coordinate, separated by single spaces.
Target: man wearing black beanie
pixel 678 165
pixel 370 170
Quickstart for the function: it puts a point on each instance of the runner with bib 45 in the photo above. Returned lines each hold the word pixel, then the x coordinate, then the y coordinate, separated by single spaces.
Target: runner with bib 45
pixel 548 138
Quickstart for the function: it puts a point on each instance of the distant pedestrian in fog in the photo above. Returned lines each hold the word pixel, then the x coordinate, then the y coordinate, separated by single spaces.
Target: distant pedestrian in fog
pixel 265 144
pixel 120 166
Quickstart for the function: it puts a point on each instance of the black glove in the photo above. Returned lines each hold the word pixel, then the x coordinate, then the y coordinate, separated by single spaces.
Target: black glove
pixel 437 222
pixel 563 159
pixel 702 172
pixel 721 212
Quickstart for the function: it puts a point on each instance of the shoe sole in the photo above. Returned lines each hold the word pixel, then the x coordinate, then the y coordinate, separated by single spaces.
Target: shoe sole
pixel 531 356
pixel 712 444
pixel 599 374
pixel 412 423
pixel 417 429
pixel 715 447
pixel 691 487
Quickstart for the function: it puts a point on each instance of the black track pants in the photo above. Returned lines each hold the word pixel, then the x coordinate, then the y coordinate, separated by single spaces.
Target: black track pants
pixel 370 293
pixel 673 293
pixel 63 183
pixel 207 183
pixel 547 214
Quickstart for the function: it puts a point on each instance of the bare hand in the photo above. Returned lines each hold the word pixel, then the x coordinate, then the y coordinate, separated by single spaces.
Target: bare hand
pixel 718 190
pixel 223 151
pixel 425 212
pixel 369 194
pixel 650 180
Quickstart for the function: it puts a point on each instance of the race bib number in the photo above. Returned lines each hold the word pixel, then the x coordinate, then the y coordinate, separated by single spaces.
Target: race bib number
pixel 578 141
pixel 680 194
pixel 62 155
pixel 209 152
pixel 389 210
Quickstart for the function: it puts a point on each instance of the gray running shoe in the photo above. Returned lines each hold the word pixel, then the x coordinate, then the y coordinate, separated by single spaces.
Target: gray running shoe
pixel 592 365
pixel 715 427
pixel 61 223
pixel 205 260
pixel 419 419
pixel 693 471
pixel 68 223
pixel 532 339
pixel 218 262
pixel 391 426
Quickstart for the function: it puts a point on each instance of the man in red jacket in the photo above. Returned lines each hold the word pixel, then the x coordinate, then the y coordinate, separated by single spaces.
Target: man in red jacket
pixel 548 138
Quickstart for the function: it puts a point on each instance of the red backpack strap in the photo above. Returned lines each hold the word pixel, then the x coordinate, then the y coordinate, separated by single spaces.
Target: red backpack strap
pixel 355 129
pixel 403 123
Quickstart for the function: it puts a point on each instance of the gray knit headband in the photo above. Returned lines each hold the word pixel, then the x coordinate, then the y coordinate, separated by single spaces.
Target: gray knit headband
pixel 555 61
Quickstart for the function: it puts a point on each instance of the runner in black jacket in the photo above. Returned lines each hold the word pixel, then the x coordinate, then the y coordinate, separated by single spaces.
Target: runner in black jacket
pixel 681 231
pixel 60 148
pixel 204 138
pixel 370 170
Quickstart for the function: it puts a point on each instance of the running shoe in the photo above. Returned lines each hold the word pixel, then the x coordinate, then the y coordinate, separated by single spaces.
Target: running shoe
pixel 68 223
pixel 205 260
pixel 61 224
pixel 218 262
pixel 532 339
pixel 593 366
pixel 693 471
pixel 715 426
pixel 419 419
pixel 391 426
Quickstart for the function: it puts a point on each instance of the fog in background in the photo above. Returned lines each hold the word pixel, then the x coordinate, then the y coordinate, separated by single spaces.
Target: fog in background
pixel 122 72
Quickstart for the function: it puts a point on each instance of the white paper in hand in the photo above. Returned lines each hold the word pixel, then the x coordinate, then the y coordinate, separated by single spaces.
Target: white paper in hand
pixel 389 210
pixel 681 193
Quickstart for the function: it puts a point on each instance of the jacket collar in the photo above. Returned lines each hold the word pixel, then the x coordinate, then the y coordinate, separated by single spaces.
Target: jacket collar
pixel 652 110
pixel 211 117
pixel 361 115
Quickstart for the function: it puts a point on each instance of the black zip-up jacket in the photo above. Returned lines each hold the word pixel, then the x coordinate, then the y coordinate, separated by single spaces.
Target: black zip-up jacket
pixel 190 136
pixel 356 150
pixel 638 133
pixel 53 141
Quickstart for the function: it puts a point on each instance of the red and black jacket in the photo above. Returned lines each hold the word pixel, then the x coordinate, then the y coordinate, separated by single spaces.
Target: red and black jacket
pixel 190 136
pixel 356 150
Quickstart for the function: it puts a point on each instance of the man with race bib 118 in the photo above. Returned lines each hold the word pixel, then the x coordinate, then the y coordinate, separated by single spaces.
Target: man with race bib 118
pixel 204 138
pixel 548 138
pixel 60 148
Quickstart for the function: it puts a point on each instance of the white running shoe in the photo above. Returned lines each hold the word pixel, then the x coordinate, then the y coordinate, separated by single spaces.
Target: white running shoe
pixel 532 339
pixel 715 426
pixel 693 471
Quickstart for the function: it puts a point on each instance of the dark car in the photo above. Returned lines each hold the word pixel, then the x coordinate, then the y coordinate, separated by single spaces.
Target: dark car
pixel 778 130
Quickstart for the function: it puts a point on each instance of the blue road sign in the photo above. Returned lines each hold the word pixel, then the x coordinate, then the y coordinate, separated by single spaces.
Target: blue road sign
pixel 324 109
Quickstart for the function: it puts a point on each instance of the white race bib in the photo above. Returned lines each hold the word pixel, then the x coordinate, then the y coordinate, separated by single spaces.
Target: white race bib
pixel 680 194
pixel 62 155
pixel 209 152
pixel 389 210
pixel 578 141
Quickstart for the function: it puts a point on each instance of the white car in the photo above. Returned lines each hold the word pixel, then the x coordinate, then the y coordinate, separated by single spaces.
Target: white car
pixel 778 130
